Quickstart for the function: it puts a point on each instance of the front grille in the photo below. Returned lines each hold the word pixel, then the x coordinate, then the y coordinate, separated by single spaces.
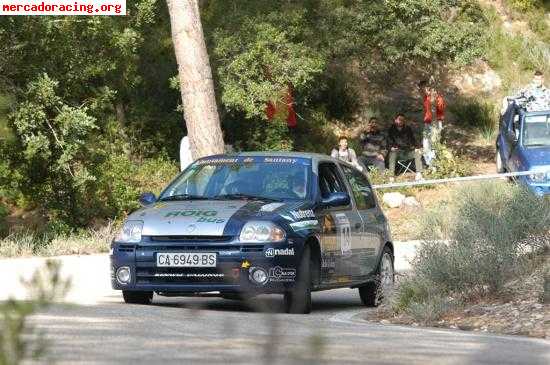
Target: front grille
pixel 252 248
pixel 191 238
pixel 126 248
pixel 188 248
pixel 177 275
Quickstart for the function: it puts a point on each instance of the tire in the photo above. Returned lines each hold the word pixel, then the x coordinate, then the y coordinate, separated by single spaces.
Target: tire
pixel 498 161
pixel 298 299
pixel 373 292
pixel 137 297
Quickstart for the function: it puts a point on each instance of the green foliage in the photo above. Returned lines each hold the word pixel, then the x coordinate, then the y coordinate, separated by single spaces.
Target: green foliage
pixel 524 5
pixel 93 101
pixel 52 137
pixel 124 180
pixel 447 164
pixel 476 112
pixel 264 59
pixel 472 245
pixel 516 56
pixel 492 226
pixel 322 47
pixel 19 341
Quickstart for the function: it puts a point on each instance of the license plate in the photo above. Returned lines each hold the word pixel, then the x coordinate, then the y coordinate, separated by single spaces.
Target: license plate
pixel 185 259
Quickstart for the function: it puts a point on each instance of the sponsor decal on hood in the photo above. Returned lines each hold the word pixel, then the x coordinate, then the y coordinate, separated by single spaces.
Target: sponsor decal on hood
pixel 198 217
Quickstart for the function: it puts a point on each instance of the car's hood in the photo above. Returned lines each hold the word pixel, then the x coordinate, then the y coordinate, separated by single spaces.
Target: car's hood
pixel 537 156
pixel 208 217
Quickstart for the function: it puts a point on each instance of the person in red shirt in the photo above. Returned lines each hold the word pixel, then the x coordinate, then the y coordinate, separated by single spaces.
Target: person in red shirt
pixel 433 103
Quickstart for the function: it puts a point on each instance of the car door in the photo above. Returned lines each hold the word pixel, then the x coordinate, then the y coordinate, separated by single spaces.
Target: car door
pixel 367 248
pixel 341 227
pixel 511 139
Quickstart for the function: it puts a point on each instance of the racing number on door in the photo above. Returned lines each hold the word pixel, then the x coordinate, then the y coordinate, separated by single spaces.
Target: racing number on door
pixel 344 233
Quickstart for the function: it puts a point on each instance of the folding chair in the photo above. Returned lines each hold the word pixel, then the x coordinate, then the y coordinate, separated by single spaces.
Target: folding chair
pixel 405 166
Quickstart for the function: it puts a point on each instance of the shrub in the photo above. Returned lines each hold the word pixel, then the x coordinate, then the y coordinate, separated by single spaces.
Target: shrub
pixel 490 223
pixel 447 164
pixel 476 112
pixel 19 341
pixel 123 180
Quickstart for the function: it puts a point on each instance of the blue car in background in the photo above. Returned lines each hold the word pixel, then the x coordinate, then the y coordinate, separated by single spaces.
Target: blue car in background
pixel 523 144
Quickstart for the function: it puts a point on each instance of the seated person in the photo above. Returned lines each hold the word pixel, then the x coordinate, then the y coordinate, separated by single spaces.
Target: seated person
pixel 344 153
pixel 403 146
pixel 374 146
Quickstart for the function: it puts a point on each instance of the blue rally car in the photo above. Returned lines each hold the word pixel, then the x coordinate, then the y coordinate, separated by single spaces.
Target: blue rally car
pixel 523 144
pixel 254 223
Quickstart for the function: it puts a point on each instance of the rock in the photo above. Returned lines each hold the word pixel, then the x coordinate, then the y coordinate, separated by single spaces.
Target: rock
pixel 385 321
pixel 393 200
pixel 411 201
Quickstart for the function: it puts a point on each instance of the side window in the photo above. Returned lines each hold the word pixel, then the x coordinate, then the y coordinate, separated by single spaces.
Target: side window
pixel 362 191
pixel 329 180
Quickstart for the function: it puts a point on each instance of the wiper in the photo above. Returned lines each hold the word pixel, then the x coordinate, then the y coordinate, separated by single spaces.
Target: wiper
pixel 245 196
pixel 184 197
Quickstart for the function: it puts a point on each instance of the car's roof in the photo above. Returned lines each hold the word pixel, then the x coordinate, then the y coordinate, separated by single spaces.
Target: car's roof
pixel 309 155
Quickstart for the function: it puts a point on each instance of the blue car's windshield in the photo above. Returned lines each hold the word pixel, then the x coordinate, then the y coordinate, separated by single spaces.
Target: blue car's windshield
pixel 536 131
pixel 242 178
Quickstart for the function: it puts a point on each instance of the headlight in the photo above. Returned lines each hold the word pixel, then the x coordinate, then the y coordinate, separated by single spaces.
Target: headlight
pixel 538 177
pixel 123 275
pixel 261 232
pixel 130 232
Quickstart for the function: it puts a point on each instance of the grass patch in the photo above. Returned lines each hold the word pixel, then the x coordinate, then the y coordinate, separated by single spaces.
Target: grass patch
pixel 479 113
pixel 80 243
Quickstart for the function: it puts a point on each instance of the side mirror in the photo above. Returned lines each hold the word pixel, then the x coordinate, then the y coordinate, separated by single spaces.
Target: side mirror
pixel 336 200
pixel 147 199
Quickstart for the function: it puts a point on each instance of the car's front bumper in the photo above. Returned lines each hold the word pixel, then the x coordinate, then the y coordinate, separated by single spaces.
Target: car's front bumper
pixel 235 263
pixel 537 188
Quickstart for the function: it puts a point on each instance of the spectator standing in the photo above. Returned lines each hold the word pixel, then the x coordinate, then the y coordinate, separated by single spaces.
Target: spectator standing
pixel 344 153
pixel 373 141
pixel 537 94
pixel 185 153
pixel 403 146
pixel 433 104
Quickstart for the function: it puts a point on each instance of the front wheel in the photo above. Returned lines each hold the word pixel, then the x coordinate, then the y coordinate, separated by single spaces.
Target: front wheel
pixel 298 299
pixel 137 297
pixel 373 292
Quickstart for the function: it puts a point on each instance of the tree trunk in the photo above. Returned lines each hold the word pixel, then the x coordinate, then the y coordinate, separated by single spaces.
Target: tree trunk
pixel 195 76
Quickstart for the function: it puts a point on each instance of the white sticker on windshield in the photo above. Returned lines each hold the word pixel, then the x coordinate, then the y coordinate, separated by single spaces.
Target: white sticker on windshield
pixel 271 207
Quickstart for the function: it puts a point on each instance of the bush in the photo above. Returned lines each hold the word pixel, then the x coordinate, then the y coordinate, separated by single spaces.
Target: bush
pixel 447 164
pixel 19 340
pixel 490 227
pixel 123 180
pixel 478 113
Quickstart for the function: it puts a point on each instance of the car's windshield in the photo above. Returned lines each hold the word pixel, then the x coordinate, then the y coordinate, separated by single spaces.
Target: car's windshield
pixel 536 131
pixel 269 178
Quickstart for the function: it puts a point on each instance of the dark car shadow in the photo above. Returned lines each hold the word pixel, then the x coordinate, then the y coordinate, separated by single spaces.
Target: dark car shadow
pixel 321 302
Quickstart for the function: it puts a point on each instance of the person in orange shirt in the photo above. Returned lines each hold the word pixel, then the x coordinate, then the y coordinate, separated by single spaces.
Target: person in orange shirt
pixel 433 104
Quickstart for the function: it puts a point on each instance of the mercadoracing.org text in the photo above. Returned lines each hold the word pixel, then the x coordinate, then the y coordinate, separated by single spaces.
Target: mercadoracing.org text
pixel 62 7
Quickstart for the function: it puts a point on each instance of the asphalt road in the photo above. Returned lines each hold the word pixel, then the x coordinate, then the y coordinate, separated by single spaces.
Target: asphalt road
pixel 94 326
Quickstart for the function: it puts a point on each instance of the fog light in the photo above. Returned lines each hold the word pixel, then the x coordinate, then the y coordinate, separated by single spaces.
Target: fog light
pixel 123 275
pixel 258 275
